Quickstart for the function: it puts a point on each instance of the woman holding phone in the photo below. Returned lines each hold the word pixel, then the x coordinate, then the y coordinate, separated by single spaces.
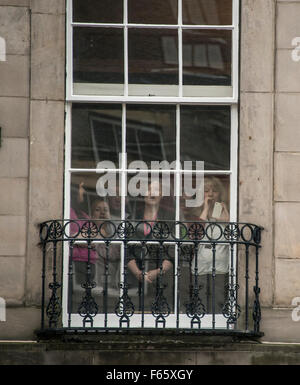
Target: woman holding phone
pixel 213 212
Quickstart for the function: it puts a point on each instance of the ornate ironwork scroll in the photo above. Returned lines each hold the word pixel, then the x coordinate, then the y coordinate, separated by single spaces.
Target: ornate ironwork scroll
pixel 53 310
pixel 148 242
pixel 124 307
pixel 195 309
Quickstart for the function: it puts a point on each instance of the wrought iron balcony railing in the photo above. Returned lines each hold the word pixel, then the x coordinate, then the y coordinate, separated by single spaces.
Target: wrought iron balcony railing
pixel 200 277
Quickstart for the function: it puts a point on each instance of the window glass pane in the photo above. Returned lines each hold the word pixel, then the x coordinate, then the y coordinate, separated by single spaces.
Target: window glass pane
pixel 89 188
pixel 212 12
pixel 206 57
pixel 95 11
pixel 96 134
pixel 211 204
pixel 152 12
pixel 98 61
pixel 103 212
pixel 200 201
pixel 152 60
pixel 205 136
pixel 150 202
pixel 150 133
pixel 151 196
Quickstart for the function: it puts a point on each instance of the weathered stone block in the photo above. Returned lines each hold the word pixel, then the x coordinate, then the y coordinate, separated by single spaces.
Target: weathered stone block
pixel 13 235
pixel 287 177
pixel 257 54
pixel 13 196
pixel 12 278
pixel 48 6
pixel 24 320
pixel 14 119
pixel 287 118
pixel 46 181
pixel 256 177
pixel 46 160
pixel 14 28
pixel 48 57
pixel 287 26
pixel 288 72
pixel 14 158
pixel 17 3
pixel 14 76
pixel 288 1
pixel 272 322
pixel 287 241
pixel 287 283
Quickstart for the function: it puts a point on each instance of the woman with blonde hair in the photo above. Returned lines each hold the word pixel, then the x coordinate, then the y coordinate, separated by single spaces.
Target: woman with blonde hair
pixel 212 265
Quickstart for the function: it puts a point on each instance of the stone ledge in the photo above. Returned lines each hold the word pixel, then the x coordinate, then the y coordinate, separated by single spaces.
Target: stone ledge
pixel 30 353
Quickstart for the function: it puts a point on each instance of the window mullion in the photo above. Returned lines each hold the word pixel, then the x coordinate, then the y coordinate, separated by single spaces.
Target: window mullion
pixel 235 48
pixel 180 54
pixel 125 21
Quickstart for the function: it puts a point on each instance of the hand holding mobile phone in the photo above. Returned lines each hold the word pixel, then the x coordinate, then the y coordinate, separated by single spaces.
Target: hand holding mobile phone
pixel 217 211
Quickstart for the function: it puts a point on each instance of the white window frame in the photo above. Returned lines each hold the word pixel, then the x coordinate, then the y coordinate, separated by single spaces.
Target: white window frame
pixel 72 98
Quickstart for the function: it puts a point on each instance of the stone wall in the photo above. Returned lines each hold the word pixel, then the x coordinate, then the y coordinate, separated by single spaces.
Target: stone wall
pixel 109 352
pixel 32 96
pixel 287 156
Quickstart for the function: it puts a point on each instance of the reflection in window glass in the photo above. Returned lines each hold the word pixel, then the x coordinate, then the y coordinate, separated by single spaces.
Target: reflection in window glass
pixel 98 56
pixel 206 57
pixel 213 207
pixel 89 190
pixel 86 204
pixel 152 12
pixel 153 56
pixel 212 189
pixel 151 197
pixel 96 134
pixel 151 133
pixel 211 12
pixel 205 136
pixel 104 11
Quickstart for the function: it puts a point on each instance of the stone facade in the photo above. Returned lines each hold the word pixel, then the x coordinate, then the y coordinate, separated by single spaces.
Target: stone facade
pixel 32 119
pixel 32 94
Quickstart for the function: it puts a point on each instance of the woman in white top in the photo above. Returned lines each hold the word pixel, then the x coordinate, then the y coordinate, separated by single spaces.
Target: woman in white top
pixel 215 211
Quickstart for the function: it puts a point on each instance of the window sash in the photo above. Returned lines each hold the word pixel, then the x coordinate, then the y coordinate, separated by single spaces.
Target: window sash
pixel 212 98
pixel 204 99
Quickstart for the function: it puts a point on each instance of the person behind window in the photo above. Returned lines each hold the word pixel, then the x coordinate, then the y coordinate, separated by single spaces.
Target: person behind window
pixel 153 263
pixel 212 210
pixel 84 259
pixel 108 262
pixel 151 212
pixel 79 216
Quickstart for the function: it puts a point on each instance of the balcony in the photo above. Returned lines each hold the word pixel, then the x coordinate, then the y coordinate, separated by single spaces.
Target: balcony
pixel 158 277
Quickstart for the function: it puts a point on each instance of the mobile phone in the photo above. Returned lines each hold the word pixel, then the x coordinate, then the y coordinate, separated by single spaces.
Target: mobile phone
pixel 217 211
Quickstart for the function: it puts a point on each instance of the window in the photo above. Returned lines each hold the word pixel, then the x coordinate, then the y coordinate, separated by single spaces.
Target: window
pixel 149 84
